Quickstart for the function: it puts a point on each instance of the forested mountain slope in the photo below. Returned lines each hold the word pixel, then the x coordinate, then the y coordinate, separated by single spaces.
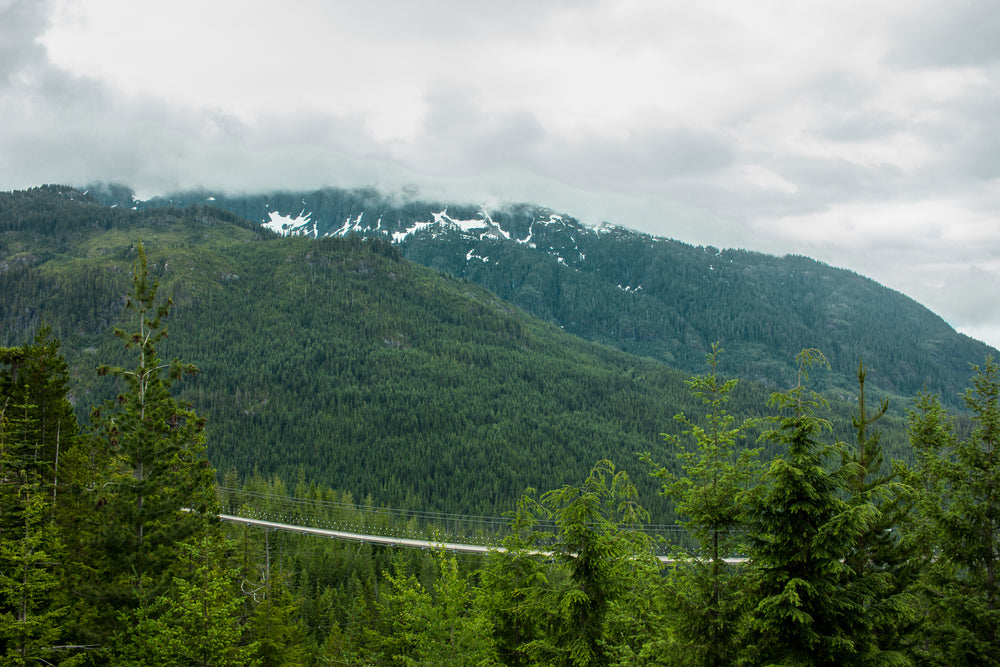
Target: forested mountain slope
pixel 646 295
pixel 337 359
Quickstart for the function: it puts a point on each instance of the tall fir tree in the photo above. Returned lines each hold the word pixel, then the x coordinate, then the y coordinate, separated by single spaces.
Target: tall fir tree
pixel 157 489
pixel 705 593
pixel 869 480
pixel 879 559
pixel 801 530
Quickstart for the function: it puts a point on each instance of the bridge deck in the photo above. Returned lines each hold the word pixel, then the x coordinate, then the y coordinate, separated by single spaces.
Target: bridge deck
pixel 394 541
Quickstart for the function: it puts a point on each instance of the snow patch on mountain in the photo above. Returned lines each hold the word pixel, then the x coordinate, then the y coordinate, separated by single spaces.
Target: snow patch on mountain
pixel 481 226
pixel 471 255
pixel 286 225
pixel 352 226
pixel 484 227
pixel 492 230
pixel 399 237
pixel 527 240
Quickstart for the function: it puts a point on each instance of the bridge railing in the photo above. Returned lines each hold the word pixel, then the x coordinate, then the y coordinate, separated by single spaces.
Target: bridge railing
pixel 399 523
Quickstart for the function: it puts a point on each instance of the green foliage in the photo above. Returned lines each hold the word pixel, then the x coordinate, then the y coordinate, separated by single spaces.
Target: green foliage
pixel 275 625
pixel 36 420
pixel 599 541
pixel 512 583
pixel 432 381
pixel 669 300
pixel 421 389
pixel 957 520
pixel 415 385
pixel 801 531
pixel 706 595
pixel 436 626
pixel 649 296
pixel 31 612
pixel 277 628
pixel 880 560
pixel 198 623
pixel 157 487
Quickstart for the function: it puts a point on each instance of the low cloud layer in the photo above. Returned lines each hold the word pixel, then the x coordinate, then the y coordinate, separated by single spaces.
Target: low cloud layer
pixel 863 135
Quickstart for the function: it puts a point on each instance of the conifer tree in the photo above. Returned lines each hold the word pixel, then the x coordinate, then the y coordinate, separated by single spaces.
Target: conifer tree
pixel 868 477
pixel 157 490
pixel 39 375
pixel 599 540
pixel 36 604
pixel 197 623
pixel 431 626
pixel 276 627
pixel 512 583
pixel 957 520
pixel 31 611
pixel 801 531
pixel 879 558
pixel 706 595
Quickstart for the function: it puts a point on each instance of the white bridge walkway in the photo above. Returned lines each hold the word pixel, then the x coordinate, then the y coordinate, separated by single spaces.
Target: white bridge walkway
pixel 371 539
pixel 394 528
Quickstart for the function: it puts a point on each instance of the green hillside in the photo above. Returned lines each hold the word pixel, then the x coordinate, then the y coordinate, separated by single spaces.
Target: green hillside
pixel 643 294
pixel 670 300
pixel 337 363
pixel 336 359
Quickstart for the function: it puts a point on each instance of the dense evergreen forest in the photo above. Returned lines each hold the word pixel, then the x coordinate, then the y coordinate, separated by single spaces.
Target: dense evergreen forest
pixel 111 551
pixel 339 358
pixel 646 295
pixel 338 373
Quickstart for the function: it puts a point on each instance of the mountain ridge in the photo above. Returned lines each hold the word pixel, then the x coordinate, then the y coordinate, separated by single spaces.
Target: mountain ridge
pixel 335 361
pixel 644 294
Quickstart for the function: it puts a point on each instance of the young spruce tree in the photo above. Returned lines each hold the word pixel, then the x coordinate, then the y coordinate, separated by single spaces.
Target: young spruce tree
pixel 706 594
pixel 881 568
pixel 801 531
pixel 600 542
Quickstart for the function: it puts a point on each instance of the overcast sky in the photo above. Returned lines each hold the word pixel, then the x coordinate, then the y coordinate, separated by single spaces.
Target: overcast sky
pixel 863 134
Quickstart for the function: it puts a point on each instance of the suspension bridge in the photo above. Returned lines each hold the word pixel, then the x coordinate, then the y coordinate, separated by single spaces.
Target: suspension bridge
pixel 366 523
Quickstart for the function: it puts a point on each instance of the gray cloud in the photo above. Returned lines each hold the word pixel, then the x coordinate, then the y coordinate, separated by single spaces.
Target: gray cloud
pixel 645 160
pixel 948 34
pixel 720 125
pixel 863 125
pixel 21 22
pixel 970 137
pixel 459 136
